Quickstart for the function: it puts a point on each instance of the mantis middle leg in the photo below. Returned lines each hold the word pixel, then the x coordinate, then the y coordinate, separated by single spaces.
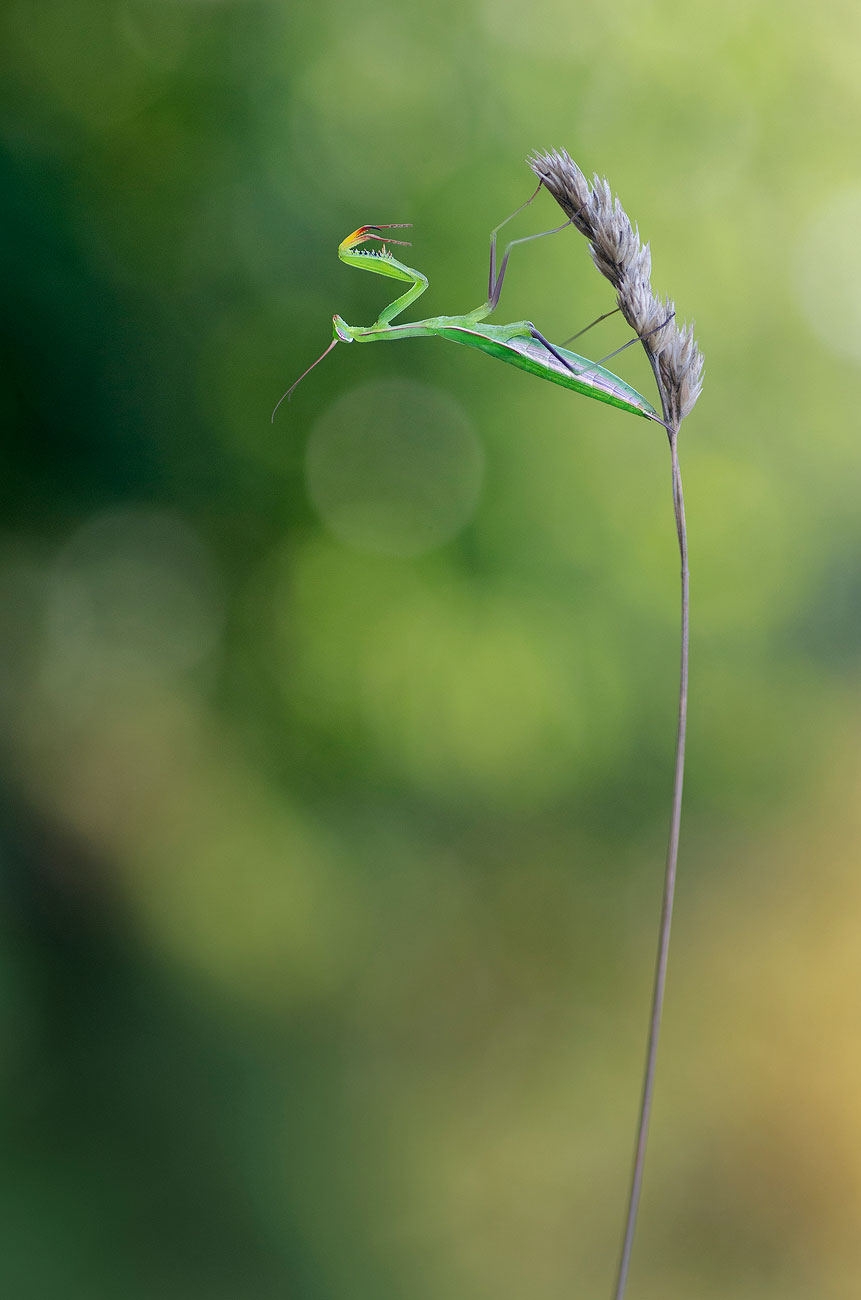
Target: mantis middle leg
pixel 495 279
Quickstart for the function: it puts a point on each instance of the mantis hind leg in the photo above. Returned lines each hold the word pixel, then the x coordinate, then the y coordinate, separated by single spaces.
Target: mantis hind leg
pixel 539 337
pixel 586 328
pixel 636 339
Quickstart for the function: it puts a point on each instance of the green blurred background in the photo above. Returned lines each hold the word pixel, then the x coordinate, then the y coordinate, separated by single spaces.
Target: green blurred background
pixel 338 753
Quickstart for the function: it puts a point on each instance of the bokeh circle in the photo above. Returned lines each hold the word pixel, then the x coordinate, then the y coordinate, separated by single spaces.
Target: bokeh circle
pixel 394 467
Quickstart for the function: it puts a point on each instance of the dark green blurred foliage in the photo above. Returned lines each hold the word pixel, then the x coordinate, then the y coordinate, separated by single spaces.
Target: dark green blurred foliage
pixel 337 753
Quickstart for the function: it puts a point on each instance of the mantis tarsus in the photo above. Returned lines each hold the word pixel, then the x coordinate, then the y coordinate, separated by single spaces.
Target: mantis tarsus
pixel 520 344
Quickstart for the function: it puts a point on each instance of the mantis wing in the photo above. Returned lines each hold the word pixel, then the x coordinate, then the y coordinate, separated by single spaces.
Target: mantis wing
pixel 584 376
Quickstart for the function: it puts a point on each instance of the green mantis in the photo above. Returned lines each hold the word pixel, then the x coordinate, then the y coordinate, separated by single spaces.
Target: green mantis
pixel 520 344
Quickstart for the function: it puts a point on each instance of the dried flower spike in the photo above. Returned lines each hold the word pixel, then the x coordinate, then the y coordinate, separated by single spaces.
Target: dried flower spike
pixel 626 262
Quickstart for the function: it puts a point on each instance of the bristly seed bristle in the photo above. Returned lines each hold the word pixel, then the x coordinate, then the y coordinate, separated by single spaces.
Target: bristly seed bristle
pixel 620 256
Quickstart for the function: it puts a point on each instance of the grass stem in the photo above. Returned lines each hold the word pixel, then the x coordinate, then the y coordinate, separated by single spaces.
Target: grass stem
pixel 669 889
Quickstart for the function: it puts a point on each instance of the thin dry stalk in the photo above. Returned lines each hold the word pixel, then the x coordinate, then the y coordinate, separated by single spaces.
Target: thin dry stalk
pixel 677 364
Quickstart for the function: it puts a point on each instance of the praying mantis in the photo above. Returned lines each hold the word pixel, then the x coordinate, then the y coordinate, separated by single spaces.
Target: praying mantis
pixel 520 344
